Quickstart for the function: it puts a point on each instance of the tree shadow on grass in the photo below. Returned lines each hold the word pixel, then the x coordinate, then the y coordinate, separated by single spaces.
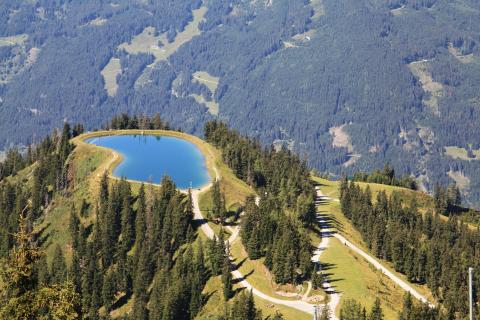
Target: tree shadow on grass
pixel 236 266
pixel 329 221
pixel 122 301
pixel 197 223
pixel 207 297
pixel 238 290
pixel 42 235
pixel 244 277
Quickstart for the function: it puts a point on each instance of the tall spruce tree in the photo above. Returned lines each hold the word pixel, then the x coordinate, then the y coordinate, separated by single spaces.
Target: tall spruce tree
pixel 108 291
pixel 218 203
pixel 376 313
pixel 227 279
pixel 59 266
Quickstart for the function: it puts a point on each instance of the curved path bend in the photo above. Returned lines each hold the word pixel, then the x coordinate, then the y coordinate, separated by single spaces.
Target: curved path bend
pixel 403 284
pixel 297 304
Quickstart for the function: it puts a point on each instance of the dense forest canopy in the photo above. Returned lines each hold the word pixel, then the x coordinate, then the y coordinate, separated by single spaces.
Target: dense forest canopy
pixel 349 84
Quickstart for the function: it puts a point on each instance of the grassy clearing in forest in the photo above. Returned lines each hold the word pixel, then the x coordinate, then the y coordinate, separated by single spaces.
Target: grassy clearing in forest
pixel 211 83
pixel 461 153
pixel 158 45
pixel 211 105
pixel 434 89
pixel 149 42
pixel 13 40
pixel 110 73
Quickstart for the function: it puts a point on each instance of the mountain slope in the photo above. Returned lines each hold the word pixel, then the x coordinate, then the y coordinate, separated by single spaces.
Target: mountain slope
pixel 349 84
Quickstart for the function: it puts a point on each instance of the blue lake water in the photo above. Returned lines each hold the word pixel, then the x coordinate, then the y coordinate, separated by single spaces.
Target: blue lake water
pixel 148 158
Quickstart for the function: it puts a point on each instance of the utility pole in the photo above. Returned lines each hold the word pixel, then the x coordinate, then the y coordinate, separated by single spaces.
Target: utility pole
pixel 470 291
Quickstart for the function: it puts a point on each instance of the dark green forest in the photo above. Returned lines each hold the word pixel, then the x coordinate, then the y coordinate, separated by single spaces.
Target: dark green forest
pixel 353 67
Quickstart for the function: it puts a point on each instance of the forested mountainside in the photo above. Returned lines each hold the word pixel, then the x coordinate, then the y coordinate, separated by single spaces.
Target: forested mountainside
pixel 349 84
pixel 76 242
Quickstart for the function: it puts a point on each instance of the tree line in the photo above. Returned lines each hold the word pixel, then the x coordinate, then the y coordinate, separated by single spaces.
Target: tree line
pixel 124 122
pixel 268 232
pixel 386 176
pixel 411 310
pixel 30 289
pixel 141 247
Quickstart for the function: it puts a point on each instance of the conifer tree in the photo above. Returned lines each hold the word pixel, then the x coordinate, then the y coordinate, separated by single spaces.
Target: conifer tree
pixel 74 227
pixel 213 256
pixel 84 208
pixel 440 198
pixel 200 262
pixel 244 308
pixel 140 222
pixel 376 313
pixel 316 278
pixel 454 197
pixel 96 300
pixel 75 272
pixel 65 146
pixel 59 266
pixel 141 282
pixel 352 310
pixel 218 201
pixel 196 297
pixel 227 279
pixel 253 244
pixel 104 195
pixel 43 274
pixel 158 295
pixel 108 291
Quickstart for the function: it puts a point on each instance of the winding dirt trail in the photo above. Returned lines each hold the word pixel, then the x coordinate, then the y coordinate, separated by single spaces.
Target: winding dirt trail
pixel 298 305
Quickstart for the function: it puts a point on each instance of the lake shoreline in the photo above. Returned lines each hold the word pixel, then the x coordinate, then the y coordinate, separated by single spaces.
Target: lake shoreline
pixel 116 160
